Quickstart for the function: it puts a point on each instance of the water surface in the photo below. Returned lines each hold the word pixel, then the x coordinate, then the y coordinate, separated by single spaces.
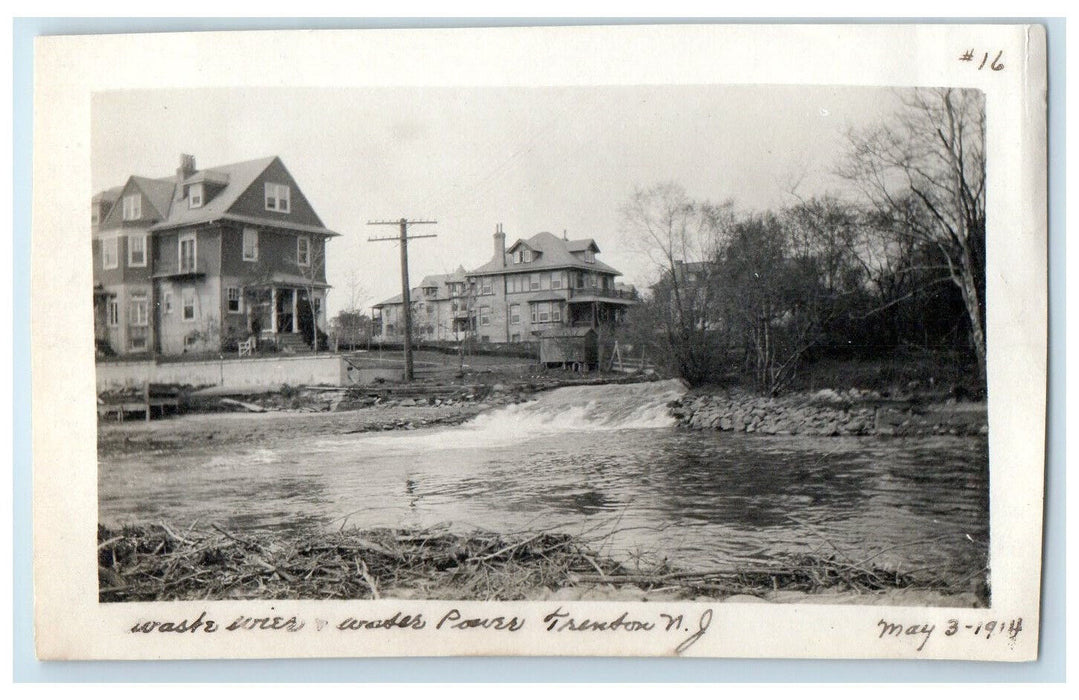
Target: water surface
pixel 601 461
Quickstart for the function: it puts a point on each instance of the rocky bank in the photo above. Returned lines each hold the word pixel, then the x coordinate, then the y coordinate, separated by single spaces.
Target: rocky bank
pixel 828 413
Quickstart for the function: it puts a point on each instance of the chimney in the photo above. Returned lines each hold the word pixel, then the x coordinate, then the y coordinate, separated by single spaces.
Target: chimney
pixel 500 245
pixel 186 169
pixel 564 236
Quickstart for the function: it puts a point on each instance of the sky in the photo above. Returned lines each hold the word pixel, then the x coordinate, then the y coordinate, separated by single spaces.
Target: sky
pixel 533 159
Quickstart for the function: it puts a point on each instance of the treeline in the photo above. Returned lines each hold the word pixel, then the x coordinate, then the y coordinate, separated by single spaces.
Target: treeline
pixel 896 267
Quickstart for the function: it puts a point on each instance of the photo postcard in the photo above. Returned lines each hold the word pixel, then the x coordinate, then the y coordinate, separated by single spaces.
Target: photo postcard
pixel 620 341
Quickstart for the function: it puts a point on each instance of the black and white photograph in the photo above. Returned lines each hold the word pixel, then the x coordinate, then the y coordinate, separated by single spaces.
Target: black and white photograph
pixel 679 345
pixel 655 343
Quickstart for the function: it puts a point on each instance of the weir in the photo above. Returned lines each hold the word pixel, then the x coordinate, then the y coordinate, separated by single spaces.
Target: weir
pixel 582 408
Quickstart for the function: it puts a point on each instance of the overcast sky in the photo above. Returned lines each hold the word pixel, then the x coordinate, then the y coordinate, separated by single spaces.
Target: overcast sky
pixel 533 159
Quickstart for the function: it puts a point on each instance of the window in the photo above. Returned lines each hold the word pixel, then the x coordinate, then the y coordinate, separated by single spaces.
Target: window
pixel 133 207
pixel 546 312
pixel 233 296
pixel 486 286
pixel 251 244
pixel 110 257
pixel 187 253
pixel 516 257
pixel 534 281
pixel 277 198
pixel 195 196
pixel 140 315
pixel 580 280
pixel 188 305
pixel 303 250
pixel 589 256
pixel 137 342
pixel 485 315
pixel 515 314
pixel 114 312
pixel 136 250
pixel 166 302
pixel 515 338
pixel 526 255
pixel 556 280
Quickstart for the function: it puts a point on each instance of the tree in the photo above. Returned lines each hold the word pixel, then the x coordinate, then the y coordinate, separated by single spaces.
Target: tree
pixel 924 173
pixel 682 238
pixel 312 273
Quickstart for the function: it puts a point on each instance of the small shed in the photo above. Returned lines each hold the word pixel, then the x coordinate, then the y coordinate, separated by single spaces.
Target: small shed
pixel 567 346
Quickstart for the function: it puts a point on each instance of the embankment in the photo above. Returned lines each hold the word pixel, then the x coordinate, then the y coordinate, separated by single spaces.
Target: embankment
pixel 828 413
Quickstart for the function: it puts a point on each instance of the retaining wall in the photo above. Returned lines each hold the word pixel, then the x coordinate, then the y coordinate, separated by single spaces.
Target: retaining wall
pixel 230 373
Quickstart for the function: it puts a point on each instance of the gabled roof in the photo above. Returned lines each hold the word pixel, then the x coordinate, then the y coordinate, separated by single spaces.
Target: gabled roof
pixel 582 245
pixel 230 182
pixel 233 180
pixel 396 299
pixel 518 243
pixel 158 191
pixel 556 255
pixel 109 195
pixel 240 177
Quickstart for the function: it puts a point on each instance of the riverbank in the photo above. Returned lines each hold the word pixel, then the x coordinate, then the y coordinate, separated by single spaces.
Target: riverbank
pixel 829 413
pixel 293 413
pixel 263 429
pixel 158 563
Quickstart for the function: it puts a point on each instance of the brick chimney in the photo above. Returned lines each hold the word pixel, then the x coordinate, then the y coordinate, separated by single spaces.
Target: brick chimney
pixel 186 169
pixel 500 245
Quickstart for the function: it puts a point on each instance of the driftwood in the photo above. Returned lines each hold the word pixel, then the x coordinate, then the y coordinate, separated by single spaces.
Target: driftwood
pixel 250 407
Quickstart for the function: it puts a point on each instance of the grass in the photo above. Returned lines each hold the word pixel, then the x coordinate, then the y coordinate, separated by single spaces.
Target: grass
pixel 157 563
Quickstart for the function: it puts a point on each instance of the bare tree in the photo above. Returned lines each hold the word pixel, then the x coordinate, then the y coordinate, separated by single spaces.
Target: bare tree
pixel 682 238
pixel 924 172
pixel 312 272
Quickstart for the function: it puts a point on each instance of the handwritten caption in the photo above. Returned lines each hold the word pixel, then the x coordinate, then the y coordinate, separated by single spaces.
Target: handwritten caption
pixel 682 629
pixel 921 632
pixel 677 630
pixel 969 56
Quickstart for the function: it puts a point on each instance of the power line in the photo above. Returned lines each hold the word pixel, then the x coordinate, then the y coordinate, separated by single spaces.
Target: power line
pixel 403 238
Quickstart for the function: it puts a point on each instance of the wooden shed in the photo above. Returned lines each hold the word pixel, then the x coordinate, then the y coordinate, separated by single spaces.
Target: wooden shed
pixel 569 346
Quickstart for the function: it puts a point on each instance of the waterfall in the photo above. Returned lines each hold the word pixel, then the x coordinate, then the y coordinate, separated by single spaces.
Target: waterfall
pixel 569 409
pixel 582 408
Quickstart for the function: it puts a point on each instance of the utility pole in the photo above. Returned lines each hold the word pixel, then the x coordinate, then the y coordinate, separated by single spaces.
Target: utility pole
pixel 406 303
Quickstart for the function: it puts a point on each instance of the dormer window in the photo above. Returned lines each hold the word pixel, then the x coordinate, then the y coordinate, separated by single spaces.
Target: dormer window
pixel 277 198
pixel 195 196
pixel 526 255
pixel 516 257
pixel 133 207
pixel 589 255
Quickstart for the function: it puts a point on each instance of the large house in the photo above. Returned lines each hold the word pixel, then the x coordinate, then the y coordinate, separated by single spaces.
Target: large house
pixel 543 283
pixel 536 284
pixel 439 310
pixel 206 259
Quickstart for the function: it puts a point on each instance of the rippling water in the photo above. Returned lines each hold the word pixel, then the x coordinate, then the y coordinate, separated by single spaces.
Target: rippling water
pixel 596 462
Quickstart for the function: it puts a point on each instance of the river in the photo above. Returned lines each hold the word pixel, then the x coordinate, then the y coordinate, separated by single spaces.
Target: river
pixel 605 462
